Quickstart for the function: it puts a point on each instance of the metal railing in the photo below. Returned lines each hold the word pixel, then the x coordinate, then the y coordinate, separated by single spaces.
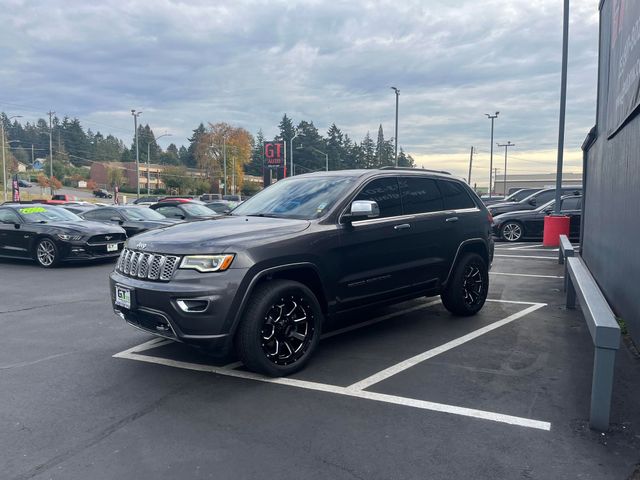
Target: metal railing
pixel 604 330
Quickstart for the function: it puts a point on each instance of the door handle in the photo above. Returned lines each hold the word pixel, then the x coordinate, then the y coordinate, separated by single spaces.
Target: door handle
pixel 402 226
pixel 452 219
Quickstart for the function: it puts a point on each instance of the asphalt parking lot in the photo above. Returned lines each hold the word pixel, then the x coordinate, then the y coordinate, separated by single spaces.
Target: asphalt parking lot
pixel 405 392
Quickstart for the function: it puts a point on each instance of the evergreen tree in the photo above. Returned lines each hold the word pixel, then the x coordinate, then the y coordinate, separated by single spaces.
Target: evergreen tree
pixel 191 160
pixel 255 165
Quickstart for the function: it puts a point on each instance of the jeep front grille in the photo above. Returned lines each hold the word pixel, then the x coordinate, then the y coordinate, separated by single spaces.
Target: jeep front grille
pixel 150 266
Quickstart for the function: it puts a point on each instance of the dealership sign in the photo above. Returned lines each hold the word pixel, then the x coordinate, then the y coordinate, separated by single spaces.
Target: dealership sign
pixel 624 64
pixel 274 154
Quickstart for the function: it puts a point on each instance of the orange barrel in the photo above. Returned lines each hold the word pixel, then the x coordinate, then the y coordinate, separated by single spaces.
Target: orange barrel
pixel 554 226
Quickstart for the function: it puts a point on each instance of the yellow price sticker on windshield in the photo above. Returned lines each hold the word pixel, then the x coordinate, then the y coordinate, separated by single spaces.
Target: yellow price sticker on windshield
pixel 29 210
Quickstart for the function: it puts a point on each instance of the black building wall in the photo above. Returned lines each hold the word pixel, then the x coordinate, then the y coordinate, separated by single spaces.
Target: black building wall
pixel 611 230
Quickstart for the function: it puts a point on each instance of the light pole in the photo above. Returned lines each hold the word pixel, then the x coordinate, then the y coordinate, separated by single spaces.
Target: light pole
pixel 51 114
pixel 135 126
pixel 396 135
pixel 504 177
pixel 326 157
pixel 291 148
pixel 563 105
pixel 224 156
pixel 492 117
pixel 4 168
pixel 149 161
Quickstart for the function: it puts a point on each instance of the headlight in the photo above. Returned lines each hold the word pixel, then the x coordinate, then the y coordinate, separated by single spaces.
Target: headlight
pixel 207 263
pixel 64 236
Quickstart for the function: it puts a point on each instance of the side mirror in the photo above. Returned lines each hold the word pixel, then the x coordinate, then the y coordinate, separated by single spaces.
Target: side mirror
pixel 363 209
pixel 533 202
pixel 116 220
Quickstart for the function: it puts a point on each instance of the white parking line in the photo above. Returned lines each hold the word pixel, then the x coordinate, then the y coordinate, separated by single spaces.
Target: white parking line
pixel 413 361
pixel 524 247
pixel 525 275
pixel 352 391
pixel 527 256
pixel 323 387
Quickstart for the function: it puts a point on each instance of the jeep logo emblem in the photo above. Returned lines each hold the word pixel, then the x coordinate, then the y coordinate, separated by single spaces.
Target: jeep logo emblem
pixel 108 237
pixel 141 245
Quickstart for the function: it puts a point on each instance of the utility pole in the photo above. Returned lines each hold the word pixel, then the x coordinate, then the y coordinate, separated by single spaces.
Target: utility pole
pixel 291 148
pixel 470 163
pixel 492 117
pixel 396 134
pixel 563 105
pixel 504 177
pixel 224 161
pixel 495 172
pixel 51 114
pixel 32 156
pixel 135 126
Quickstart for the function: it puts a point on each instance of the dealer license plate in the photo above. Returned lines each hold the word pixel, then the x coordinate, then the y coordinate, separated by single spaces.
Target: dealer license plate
pixel 112 247
pixel 123 297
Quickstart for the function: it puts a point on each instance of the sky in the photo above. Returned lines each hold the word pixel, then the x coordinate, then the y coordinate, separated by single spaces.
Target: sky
pixel 248 62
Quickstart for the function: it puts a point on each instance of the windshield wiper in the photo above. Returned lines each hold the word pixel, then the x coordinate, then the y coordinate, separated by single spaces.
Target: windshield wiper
pixel 269 215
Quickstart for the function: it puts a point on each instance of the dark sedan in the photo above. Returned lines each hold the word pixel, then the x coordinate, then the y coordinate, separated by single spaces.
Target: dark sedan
pixel 516 196
pixel 132 218
pixel 221 206
pixel 52 234
pixel 533 201
pixel 529 224
pixel 184 210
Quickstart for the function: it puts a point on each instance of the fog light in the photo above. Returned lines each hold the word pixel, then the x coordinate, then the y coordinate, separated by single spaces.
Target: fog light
pixel 192 306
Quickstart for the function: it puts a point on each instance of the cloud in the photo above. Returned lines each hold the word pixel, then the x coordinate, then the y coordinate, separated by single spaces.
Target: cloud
pixel 248 62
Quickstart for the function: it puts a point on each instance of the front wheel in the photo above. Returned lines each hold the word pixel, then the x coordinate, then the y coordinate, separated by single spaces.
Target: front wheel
pixel 46 253
pixel 467 289
pixel 280 328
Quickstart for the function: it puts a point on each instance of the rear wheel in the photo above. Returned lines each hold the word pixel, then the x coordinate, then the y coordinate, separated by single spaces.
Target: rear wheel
pixel 46 253
pixel 467 289
pixel 280 328
pixel 511 231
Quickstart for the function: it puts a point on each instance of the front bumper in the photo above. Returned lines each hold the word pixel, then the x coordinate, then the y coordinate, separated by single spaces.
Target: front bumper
pixel 78 251
pixel 160 308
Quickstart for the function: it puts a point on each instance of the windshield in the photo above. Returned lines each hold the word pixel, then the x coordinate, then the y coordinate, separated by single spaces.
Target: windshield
pixel 303 198
pixel 142 213
pixel 197 210
pixel 519 195
pixel 545 206
pixel 47 214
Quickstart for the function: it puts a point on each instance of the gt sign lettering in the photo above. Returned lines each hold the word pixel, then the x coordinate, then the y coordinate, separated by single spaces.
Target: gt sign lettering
pixel 273 153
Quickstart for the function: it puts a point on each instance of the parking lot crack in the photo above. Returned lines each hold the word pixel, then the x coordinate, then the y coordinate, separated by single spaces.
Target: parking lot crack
pixel 64 456
pixel 24 309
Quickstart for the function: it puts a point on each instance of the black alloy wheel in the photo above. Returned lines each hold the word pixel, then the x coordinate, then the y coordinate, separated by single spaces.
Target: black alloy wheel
pixel 466 291
pixel 280 328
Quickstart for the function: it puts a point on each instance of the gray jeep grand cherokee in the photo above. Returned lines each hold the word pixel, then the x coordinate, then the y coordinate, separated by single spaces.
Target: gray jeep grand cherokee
pixel 266 277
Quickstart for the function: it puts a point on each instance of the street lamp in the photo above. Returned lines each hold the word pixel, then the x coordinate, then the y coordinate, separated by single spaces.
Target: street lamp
pixel 492 117
pixel 396 134
pixel 504 178
pixel 326 157
pixel 4 168
pixel 149 161
pixel 298 134
pixel 135 126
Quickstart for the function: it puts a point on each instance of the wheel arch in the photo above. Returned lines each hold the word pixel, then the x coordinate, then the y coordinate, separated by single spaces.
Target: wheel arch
pixel 472 245
pixel 305 273
pixel 36 239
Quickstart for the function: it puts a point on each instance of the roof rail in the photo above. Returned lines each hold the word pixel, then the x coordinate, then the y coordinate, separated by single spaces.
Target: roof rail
pixel 391 167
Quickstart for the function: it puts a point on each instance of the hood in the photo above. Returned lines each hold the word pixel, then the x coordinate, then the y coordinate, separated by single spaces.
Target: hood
pixel 155 223
pixel 86 227
pixel 519 214
pixel 216 235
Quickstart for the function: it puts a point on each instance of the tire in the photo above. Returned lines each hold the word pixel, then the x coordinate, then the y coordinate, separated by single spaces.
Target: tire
pixel 46 253
pixel 467 289
pixel 512 231
pixel 266 328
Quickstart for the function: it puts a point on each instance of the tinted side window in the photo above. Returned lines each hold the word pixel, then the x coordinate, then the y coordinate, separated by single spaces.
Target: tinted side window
pixel 420 195
pixel 571 204
pixel 8 216
pixel 100 214
pixel 386 193
pixel 170 211
pixel 455 196
pixel 545 197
